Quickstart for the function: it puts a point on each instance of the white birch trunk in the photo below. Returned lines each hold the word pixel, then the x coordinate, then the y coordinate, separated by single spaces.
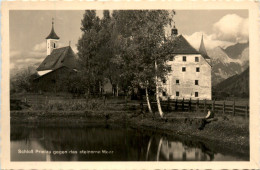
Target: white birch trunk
pixel 148 101
pixel 159 150
pixel 148 148
pixel 157 91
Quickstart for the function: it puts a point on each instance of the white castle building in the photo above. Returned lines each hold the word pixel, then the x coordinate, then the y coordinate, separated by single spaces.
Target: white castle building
pixel 190 76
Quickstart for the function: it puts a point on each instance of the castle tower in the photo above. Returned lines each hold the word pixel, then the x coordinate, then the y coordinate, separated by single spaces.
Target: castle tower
pixel 203 51
pixel 52 40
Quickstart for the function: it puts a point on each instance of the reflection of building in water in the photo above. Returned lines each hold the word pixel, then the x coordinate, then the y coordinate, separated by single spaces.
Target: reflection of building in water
pixel 177 151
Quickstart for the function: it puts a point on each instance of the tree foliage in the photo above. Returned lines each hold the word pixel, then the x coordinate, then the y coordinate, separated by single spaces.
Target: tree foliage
pixel 124 46
pixel 22 80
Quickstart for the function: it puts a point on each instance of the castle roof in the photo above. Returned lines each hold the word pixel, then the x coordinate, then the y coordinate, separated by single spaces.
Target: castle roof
pixel 52 34
pixel 59 57
pixel 182 46
pixel 202 49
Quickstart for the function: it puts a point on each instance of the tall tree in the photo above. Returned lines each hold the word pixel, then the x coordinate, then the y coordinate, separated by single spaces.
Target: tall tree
pixel 94 49
pixel 145 30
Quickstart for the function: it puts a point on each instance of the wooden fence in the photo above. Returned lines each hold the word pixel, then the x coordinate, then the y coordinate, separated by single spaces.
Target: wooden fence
pixel 202 105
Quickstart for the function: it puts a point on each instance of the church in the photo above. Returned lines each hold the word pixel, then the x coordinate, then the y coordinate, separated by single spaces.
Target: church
pixel 59 64
pixel 190 75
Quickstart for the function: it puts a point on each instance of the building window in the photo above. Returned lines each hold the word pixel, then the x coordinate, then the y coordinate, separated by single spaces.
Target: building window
pixel 196 94
pixel 196 59
pixel 196 82
pixel 183 69
pixel 177 81
pixel 169 68
pixel 164 93
pixel 54 45
pixel 197 69
pixel 184 58
pixel 177 93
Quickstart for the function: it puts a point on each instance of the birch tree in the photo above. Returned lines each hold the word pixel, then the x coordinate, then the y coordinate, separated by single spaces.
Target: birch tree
pixel 145 30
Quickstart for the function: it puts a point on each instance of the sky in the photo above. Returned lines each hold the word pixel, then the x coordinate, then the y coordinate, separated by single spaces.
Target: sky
pixel 28 30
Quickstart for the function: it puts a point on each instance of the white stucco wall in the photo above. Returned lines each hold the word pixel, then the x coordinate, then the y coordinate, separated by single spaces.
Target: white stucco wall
pixel 186 86
pixel 50 45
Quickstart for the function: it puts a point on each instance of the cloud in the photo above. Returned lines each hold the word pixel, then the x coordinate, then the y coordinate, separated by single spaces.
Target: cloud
pixel 41 47
pixel 28 60
pixel 229 30
pixel 232 28
pixel 209 40
pixel 23 59
pixel 14 54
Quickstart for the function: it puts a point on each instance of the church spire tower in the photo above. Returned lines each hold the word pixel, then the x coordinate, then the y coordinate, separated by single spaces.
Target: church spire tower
pixel 52 39
pixel 202 49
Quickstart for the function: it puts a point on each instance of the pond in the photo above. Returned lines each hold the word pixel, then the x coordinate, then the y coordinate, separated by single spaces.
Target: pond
pixel 104 143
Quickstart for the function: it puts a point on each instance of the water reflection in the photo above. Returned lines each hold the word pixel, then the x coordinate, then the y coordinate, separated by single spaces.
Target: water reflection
pixel 177 151
pixel 106 144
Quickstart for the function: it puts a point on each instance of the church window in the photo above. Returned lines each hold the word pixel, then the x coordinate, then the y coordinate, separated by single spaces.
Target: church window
pixel 177 93
pixel 196 59
pixel 177 81
pixel 183 69
pixel 54 45
pixel 197 69
pixel 184 58
pixel 196 94
pixel 196 82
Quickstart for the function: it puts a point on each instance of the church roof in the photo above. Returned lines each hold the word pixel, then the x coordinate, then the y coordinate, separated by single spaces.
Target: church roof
pixel 202 49
pixel 182 46
pixel 59 57
pixel 52 34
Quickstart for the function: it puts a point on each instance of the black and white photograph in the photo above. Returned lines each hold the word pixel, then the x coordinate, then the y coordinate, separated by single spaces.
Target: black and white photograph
pixel 130 85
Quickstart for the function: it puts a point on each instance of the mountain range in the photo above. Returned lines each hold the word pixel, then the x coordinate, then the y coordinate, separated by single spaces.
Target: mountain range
pixel 237 85
pixel 229 61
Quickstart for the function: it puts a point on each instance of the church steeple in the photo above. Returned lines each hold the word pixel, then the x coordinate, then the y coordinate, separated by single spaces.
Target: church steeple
pixel 202 49
pixel 52 34
pixel 52 40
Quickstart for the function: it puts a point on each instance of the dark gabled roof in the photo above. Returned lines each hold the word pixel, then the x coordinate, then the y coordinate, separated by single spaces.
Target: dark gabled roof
pixel 52 34
pixel 202 49
pixel 59 57
pixel 181 46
